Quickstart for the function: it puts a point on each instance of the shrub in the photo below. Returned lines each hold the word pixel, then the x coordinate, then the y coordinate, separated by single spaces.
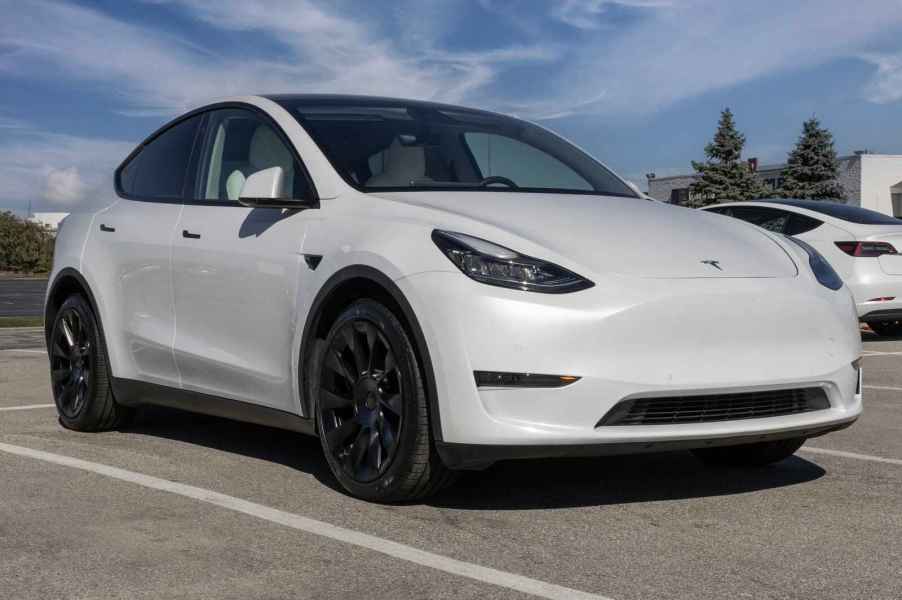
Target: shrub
pixel 24 246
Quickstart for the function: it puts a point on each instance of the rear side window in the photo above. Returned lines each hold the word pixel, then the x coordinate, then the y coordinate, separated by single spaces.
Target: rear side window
pixel 768 218
pixel 721 211
pixel 159 170
pixel 801 224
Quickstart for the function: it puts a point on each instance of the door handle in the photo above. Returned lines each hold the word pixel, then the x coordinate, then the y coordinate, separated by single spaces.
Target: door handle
pixel 189 235
pixel 107 228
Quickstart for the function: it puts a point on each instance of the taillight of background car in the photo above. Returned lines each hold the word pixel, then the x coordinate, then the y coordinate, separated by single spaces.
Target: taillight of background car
pixel 866 248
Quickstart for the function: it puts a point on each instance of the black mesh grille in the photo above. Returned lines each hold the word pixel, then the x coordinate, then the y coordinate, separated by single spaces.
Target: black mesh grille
pixel 718 407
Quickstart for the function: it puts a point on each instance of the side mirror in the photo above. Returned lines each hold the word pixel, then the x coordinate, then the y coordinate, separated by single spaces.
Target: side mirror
pixel 263 189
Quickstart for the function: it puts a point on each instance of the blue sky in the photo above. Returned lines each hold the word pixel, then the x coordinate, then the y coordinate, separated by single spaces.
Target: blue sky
pixel 638 83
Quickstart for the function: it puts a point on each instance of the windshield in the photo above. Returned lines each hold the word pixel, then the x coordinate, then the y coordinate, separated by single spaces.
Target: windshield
pixel 393 145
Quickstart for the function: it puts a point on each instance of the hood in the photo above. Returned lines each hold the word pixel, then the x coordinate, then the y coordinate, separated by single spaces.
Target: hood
pixel 627 236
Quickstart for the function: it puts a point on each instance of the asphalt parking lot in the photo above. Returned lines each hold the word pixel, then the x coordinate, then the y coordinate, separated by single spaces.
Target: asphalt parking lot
pixel 183 506
pixel 22 297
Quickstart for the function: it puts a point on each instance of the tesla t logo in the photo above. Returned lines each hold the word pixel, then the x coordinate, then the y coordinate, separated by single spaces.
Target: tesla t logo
pixel 713 263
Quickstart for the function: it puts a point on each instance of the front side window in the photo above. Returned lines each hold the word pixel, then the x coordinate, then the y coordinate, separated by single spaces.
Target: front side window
pixel 159 170
pixel 401 146
pixel 238 144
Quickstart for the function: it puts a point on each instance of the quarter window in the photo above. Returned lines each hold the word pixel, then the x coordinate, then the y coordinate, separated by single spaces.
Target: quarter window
pixel 159 170
pixel 238 144
pixel 799 224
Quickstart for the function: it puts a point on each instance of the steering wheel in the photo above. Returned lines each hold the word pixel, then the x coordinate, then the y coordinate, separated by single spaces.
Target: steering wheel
pixel 498 179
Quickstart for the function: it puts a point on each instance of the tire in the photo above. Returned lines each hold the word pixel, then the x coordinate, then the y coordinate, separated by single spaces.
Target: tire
pixel 749 455
pixel 79 371
pixel 886 328
pixel 371 410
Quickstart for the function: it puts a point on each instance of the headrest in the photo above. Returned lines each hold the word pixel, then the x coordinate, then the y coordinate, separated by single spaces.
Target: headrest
pixel 267 150
pixel 402 165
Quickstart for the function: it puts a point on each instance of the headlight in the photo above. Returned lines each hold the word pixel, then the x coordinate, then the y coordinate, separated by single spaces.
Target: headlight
pixel 822 270
pixel 496 265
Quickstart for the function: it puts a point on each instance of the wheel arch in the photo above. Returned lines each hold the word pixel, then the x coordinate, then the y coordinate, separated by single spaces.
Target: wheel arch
pixel 67 282
pixel 339 291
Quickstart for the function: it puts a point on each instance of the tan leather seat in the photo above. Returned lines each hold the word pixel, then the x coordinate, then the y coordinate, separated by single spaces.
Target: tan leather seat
pixel 266 150
pixel 403 164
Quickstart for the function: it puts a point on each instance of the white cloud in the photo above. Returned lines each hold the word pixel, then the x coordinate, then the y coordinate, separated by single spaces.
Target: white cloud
pixel 586 14
pixel 64 186
pixel 670 51
pixel 685 48
pixel 886 85
pixel 324 52
pixel 58 171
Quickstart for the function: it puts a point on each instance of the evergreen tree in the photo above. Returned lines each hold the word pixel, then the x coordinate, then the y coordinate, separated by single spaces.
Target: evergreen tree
pixel 812 168
pixel 724 175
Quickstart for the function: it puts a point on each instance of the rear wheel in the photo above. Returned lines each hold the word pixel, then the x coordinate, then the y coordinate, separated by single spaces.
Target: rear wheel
pixel 79 371
pixel 886 328
pixel 371 410
pixel 750 455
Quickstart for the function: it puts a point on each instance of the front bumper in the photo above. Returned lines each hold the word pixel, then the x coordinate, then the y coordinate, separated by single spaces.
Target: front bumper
pixel 480 456
pixel 624 338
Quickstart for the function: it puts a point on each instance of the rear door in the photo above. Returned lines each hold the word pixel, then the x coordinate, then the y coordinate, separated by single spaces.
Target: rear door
pixel 237 271
pixel 129 251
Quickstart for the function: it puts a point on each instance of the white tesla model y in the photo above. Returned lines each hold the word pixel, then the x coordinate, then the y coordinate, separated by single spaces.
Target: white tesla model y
pixel 430 288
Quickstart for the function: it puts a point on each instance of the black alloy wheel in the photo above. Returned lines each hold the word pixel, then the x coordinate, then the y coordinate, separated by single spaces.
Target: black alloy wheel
pixel 79 371
pixel 371 409
pixel 360 400
pixel 72 362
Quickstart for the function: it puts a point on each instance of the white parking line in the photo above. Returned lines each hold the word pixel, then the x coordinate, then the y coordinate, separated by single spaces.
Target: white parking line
pixel 855 455
pixel 461 568
pixel 867 353
pixel 883 387
pixel 27 407
pixel 28 350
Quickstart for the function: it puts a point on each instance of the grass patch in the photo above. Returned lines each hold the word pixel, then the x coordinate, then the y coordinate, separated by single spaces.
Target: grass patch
pixel 21 322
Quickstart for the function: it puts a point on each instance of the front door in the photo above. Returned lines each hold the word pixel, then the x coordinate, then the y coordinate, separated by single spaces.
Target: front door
pixel 237 271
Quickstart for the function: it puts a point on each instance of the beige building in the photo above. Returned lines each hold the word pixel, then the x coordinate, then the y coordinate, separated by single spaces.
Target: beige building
pixel 871 181
pixel 50 220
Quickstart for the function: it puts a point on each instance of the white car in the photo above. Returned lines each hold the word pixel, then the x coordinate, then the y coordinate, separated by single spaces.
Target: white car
pixel 861 245
pixel 430 288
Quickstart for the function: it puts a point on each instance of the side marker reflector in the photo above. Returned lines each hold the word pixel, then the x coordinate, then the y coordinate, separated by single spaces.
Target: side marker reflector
pixel 522 380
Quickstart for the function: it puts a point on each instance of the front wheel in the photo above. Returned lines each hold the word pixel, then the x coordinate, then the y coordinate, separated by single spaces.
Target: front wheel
pixel 79 372
pixel 371 410
pixel 750 455
pixel 886 328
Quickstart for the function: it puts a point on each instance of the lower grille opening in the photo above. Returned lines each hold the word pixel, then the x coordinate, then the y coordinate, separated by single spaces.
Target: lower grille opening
pixel 717 407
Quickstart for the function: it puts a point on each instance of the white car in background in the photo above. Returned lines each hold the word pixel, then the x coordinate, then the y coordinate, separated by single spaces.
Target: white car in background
pixel 862 245
pixel 430 288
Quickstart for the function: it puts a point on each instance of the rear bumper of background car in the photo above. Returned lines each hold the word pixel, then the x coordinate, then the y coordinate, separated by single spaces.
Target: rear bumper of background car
pixel 878 295
pixel 628 338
